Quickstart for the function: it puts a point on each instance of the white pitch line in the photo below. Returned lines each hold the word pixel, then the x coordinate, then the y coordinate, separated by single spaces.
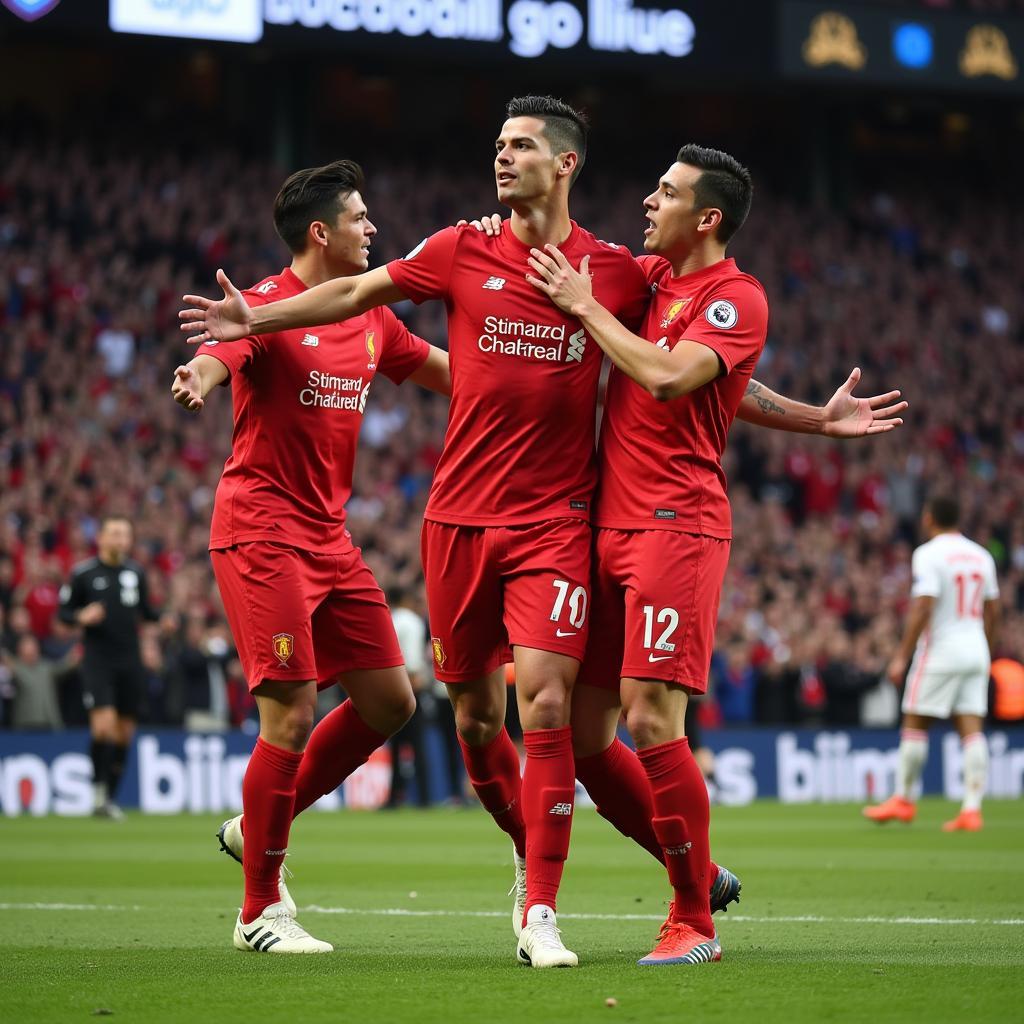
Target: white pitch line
pixel 405 912
pixel 747 919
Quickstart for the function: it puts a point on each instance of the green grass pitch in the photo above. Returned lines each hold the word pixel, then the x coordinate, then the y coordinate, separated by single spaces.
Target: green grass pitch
pixel 840 920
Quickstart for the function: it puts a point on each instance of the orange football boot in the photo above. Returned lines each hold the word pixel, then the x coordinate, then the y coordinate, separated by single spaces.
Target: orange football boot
pixel 896 808
pixel 965 821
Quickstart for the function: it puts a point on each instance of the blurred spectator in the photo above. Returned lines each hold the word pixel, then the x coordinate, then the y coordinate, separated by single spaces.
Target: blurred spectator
pixel 412 639
pixel 35 682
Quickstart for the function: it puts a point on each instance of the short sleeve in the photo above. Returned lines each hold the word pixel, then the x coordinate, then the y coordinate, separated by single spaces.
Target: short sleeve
pixel 733 322
pixel 237 356
pixel 425 273
pixel 926 581
pixel 402 353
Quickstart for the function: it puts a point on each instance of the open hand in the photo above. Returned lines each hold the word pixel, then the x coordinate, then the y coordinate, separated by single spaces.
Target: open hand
pixel 848 416
pixel 226 319
pixel 570 290
pixel 187 388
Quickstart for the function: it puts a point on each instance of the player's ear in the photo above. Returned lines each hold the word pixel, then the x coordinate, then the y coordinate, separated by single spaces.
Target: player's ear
pixel 710 220
pixel 568 163
pixel 318 232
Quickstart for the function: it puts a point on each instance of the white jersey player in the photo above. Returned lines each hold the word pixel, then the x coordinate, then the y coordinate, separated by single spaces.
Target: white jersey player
pixel 950 631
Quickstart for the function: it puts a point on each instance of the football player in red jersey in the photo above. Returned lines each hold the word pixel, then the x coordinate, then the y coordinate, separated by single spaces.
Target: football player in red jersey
pixel 304 608
pixel 662 518
pixel 506 538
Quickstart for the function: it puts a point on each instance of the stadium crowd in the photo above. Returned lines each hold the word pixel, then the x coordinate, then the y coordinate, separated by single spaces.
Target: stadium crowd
pixel 97 247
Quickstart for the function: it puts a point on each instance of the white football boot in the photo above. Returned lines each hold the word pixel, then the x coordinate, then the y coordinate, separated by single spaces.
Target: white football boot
pixel 276 931
pixel 519 890
pixel 230 836
pixel 540 943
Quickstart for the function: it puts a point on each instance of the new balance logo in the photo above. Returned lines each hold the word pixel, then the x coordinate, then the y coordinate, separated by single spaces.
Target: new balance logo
pixel 267 286
pixel 561 809
pixel 577 343
pixel 678 851
pixel 494 284
pixel 311 340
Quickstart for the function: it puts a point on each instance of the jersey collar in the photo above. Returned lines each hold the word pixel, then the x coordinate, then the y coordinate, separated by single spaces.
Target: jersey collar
pixel 514 249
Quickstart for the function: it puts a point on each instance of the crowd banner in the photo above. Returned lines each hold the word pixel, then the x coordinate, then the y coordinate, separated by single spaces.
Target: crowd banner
pixel 171 771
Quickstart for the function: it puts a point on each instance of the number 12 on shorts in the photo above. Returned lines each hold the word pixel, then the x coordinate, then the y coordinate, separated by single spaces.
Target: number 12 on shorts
pixel 577 600
pixel 667 616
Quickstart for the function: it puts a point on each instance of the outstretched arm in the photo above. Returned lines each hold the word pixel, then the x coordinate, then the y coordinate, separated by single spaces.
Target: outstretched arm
pixel 194 381
pixel 666 375
pixel 232 318
pixel 844 416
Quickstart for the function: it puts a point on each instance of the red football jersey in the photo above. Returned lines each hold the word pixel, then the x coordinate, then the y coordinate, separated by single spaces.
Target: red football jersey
pixel 661 462
pixel 520 441
pixel 299 398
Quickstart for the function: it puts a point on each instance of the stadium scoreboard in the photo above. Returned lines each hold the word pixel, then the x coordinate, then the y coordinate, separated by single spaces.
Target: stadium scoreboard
pixel 718 42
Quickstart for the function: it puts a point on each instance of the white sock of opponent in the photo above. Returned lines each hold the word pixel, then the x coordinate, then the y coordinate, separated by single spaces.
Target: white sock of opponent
pixel 912 756
pixel 975 749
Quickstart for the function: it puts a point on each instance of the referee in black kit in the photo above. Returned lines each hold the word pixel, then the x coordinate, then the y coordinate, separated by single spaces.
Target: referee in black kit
pixel 107 596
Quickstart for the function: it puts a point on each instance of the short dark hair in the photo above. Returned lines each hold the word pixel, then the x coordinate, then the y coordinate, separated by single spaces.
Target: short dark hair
pixel 316 193
pixel 116 517
pixel 565 128
pixel 725 185
pixel 944 510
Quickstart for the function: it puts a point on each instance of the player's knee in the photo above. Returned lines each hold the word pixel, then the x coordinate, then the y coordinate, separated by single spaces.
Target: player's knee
pixel 295 726
pixel 402 709
pixel 548 709
pixel 647 727
pixel 478 726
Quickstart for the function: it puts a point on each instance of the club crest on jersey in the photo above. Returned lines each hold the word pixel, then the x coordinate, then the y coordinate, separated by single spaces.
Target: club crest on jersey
pixel 672 310
pixel 30 10
pixel 371 351
pixel 284 646
pixel 439 656
pixel 721 314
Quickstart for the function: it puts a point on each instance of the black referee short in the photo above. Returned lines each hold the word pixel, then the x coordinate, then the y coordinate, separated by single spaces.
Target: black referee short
pixel 116 684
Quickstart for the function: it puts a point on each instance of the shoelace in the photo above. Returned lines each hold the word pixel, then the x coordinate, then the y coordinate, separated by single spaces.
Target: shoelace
pixel 519 885
pixel 286 925
pixel 547 935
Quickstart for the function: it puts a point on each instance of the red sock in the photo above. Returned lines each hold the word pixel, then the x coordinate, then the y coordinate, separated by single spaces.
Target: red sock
pixel 617 783
pixel 549 792
pixel 268 794
pixel 339 744
pixel 681 821
pixel 493 770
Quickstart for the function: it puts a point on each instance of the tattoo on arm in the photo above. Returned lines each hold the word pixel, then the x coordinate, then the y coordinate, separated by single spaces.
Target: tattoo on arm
pixel 765 404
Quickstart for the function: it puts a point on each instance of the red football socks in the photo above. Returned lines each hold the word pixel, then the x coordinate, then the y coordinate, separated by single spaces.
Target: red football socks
pixel 549 792
pixel 617 783
pixel 339 744
pixel 681 822
pixel 268 795
pixel 493 770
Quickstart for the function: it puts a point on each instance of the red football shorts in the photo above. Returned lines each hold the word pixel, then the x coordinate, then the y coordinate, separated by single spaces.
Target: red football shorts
pixel 656 598
pixel 298 615
pixel 490 588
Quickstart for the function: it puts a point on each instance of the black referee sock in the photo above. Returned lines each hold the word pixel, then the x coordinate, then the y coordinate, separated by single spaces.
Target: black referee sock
pixel 101 753
pixel 118 756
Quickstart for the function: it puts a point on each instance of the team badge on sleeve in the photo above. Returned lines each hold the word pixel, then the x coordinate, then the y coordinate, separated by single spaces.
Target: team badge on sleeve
pixel 672 310
pixel 371 351
pixel 721 314
pixel 284 646
pixel 439 656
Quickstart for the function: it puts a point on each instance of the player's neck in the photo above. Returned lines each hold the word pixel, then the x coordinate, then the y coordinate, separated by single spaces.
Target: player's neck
pixel 113 559
pixel 699 258
pixel 541 225
pixel 311 270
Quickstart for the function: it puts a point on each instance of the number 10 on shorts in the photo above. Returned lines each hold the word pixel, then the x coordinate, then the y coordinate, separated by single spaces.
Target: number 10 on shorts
pixel 577 603
pixel 667 616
